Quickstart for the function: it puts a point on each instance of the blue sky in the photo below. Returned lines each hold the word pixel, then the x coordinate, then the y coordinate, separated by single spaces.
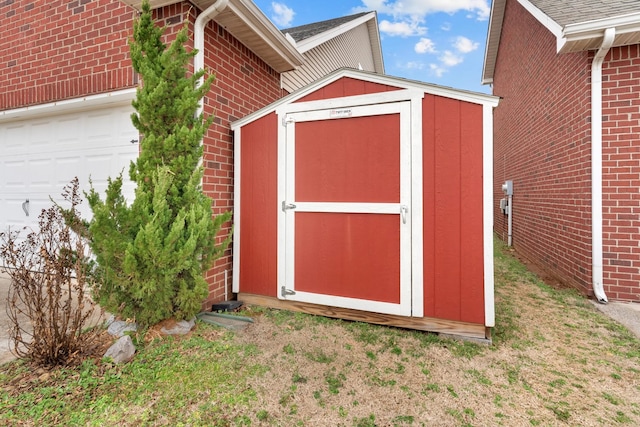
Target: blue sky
pixel 434 41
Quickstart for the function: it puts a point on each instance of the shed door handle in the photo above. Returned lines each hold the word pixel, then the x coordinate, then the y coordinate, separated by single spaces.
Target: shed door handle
pixel 403 212
pixel 25 207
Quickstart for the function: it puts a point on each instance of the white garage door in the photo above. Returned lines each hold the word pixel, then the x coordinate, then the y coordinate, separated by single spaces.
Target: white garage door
pixel 41 154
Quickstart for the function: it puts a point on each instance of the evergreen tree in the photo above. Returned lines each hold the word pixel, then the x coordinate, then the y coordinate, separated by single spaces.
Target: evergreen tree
pixel 152 255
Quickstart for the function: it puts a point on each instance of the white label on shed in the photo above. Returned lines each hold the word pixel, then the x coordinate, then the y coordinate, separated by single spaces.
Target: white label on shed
pixel 340 113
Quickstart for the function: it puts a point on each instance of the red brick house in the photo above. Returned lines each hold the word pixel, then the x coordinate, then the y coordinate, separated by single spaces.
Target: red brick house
pixel 567 134
pixel 66 85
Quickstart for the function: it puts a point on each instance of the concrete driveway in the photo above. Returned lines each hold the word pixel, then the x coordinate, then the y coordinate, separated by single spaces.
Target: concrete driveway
pixel 5 352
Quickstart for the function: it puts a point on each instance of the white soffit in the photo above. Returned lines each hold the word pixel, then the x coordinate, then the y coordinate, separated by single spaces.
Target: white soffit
pixel 246 22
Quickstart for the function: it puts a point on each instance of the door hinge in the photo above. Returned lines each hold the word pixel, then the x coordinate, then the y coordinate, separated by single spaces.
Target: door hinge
pixel 284 292
pixel 286 206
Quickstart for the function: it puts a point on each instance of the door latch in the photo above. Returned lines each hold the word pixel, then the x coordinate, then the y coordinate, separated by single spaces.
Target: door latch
pixel 284 292
pixel 25 207
pixel 286 206
pixel 403 212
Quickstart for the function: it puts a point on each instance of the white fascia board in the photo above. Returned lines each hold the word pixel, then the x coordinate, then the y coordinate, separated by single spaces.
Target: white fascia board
pixel 119 97
pixel 494 31
pixel 318 39
pixel 623 24
pixel 546 21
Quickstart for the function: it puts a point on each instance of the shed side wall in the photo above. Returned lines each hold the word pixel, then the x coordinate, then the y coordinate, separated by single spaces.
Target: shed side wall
pixel 258 210
pixel 452 206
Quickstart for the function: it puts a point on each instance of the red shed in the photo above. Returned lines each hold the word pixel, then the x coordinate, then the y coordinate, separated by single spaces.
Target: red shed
pixel 368 197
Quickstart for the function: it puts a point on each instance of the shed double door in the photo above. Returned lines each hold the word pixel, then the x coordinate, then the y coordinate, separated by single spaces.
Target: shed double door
pixel 347 207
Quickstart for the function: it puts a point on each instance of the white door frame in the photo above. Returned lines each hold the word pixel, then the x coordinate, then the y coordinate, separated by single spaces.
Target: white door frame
pixel 408 104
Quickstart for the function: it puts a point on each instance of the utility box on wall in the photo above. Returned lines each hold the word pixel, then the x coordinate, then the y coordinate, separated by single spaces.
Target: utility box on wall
pixel 368 197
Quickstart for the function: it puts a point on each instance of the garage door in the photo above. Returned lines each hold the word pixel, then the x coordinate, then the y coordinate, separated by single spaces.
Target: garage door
pixel 40 155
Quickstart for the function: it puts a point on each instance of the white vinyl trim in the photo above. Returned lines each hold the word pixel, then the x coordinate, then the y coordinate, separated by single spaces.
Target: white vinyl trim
pixel 237 228
pixel 352 303
pixel 316 108
pixel 487 202
pixel 417 217
pixel 338 207
pixel 120 97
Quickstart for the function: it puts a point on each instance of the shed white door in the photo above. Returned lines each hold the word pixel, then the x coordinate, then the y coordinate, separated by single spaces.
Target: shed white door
pixel 41 155
pixel 347 229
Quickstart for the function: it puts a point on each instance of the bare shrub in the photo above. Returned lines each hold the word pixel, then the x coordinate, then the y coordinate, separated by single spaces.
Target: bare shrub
pixel 53 320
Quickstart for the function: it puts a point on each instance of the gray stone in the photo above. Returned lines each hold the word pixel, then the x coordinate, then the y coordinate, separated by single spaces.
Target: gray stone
pixel 122 350
pixel 180 328
pixel 117 328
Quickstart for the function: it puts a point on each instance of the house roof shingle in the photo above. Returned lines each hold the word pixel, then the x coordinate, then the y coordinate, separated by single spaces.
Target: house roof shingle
pixel 578 25
pixel 575 11
pixel 306 31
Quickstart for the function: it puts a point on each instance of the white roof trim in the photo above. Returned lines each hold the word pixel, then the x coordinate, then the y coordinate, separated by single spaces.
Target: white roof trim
pixel 629 23
pixel 545 20
pixel 279 53
pixel 318 39
pixel 472 97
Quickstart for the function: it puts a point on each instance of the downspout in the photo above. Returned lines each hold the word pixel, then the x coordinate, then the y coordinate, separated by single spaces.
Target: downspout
pixel 198 37
pixel 596 165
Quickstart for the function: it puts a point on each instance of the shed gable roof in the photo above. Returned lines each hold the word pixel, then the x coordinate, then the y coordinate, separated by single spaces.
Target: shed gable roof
pixel 578 25
pixel 399 82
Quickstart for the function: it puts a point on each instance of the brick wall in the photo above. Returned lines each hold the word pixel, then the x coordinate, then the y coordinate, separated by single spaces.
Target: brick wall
pixel 542 143
pixel 244 84
pixel 621 173
pixel 54 50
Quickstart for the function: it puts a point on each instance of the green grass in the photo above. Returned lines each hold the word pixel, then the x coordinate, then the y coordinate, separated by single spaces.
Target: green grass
pixel 334 368
pixel 144 390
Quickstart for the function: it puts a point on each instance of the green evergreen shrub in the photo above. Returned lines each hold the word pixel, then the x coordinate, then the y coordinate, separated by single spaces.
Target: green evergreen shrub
pixel 152 254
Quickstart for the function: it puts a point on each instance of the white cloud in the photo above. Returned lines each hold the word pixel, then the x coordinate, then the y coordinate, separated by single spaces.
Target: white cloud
pixel 450 59
pixel 464 45
pixel 414 65
pixel 446 26
pixel 402 28
pixel 437 70
pixel 282 14
pixel 420 8
pixel 425 46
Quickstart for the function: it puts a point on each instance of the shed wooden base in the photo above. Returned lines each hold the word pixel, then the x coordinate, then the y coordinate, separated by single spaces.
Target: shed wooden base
pixel 471 331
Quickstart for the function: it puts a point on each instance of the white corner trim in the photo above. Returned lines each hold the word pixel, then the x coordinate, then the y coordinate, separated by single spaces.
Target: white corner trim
pixel 237 226
pixel 487 201
pixel 120 97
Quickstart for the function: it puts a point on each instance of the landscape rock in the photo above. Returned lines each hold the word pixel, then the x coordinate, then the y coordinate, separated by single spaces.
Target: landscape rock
pixel 122 350
pixel 117 328
pixel 180 328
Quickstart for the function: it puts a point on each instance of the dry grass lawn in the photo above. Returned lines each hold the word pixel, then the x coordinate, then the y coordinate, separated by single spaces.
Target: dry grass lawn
pixel 555 360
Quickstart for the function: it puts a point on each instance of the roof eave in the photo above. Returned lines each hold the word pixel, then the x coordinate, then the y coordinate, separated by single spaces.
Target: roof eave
pixel 246 22
pixel 588 35
pixel 494 31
